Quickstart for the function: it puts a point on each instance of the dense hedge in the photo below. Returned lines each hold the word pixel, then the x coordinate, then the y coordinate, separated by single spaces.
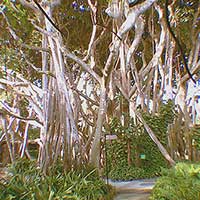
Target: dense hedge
pixel 26 182
pixel 134 155
pixel 179 183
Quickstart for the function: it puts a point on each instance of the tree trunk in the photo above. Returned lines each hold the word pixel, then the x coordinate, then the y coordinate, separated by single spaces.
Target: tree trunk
pixel 96 145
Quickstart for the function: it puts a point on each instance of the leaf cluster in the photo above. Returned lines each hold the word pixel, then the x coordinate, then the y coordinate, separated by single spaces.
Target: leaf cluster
pixel 26 182
pixel 180 182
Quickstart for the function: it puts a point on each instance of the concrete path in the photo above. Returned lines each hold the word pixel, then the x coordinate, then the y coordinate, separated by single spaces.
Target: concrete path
pixel 142 185
pixel 132 196
pixel 133 190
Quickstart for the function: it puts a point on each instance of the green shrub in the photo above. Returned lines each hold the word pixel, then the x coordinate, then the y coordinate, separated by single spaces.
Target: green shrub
pixel 26 182
pixel 127 173
pixel 135 138
pixel 179 183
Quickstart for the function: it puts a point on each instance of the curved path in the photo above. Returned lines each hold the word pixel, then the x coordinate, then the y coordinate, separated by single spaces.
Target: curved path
pixel 133 190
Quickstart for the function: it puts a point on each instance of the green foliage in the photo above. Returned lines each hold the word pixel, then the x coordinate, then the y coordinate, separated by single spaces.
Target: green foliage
pixel 17 17
pixel 184 15
pixel 135 141
pixel 195 132
pixel 126 173
pixel 26 182
pixel 159 123
pixel 180 182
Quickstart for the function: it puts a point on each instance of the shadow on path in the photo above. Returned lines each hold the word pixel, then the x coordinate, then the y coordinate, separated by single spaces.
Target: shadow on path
pixel 132 196
pixel 133 190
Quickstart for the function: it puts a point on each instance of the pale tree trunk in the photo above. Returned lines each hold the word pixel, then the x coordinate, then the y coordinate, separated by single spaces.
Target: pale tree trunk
pixel 58 128
pixel 168 88
pixel 46 99
pixel 8 141
pixel 155 91
pixel 24 146
pixel 181 101
pixel 96 145
pixel 139 29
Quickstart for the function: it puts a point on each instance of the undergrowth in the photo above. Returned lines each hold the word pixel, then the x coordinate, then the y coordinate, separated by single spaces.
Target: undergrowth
pixel 180 182
pixel 26 182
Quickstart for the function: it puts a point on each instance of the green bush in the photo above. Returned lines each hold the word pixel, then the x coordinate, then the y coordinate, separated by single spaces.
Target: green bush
pixel 127 173
pixel 26 182
pixel 179 183
pixel 140 143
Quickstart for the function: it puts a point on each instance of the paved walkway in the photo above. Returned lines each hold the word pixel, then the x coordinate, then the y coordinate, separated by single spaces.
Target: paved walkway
pixel 142 185
pixel 132 196
pixel 133 190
